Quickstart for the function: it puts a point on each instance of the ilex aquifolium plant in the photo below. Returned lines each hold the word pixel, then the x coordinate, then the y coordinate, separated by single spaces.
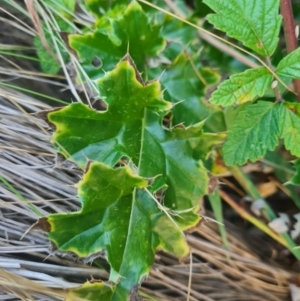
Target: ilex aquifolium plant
pixel 129 212
pixel 120 212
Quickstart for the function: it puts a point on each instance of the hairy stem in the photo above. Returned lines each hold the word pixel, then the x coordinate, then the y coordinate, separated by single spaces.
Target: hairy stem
pixel 289 33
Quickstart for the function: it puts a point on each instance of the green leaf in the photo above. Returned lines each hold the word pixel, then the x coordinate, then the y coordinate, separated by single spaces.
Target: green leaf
pixel 176 30
pixel 118 214
pixel 255 23
pixel 184 87
pixel 61 6
pixel 290 129
pixel 99 7
pixel 289 66
pixel 256 130
pixel 295 179
pixel 242 87
pixel 117 31
pixel 131 128
pixel 91 291
pixel 120 217
pixel 48 63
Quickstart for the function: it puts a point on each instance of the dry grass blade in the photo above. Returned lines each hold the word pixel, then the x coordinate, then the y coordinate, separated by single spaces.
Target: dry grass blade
pixel 38 26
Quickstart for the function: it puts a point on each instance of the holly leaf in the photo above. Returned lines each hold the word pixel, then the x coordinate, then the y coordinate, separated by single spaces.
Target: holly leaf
pixel 242 87
pixel 131 128
pixel 186 89
pixel 257 129
pixel 255 23
pixel 120 29
pixel 289 66
pixel 118 214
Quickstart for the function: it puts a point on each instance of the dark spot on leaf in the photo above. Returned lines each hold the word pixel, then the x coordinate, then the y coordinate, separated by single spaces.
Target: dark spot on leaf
pixel 99 105
pixel 96 62
pixel 122 162
pixel 167 120
pixel 42 224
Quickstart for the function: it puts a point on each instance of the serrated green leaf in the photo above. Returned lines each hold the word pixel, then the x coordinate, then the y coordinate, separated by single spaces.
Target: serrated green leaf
pixel 255 23
pixel 117 214
pixel 131 127
pixel 184 87
pixel 289 66
pixel 117 31
pixel 120 217
pixel 242 87
pixel 290 129
pixel 256 130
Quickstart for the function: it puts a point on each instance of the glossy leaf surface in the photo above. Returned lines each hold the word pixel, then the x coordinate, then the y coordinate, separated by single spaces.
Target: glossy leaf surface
pixel 131 128
pixel 121 30
pixel 118 215
pixel 186 85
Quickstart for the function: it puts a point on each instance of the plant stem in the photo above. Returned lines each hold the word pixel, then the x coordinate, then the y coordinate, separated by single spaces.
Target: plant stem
pixel 277 92
pixel 289 33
